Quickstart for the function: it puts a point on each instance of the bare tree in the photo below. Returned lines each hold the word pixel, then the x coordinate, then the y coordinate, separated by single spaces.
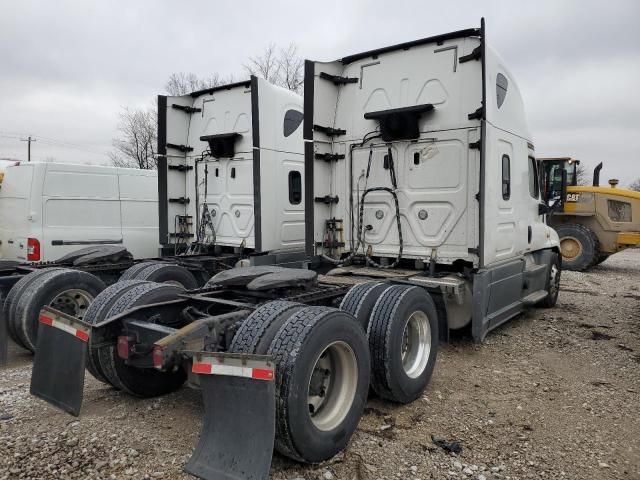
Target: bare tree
pixel 183 83
pixel 582 173
pixel 137 145
pixel 280 66
pixel 635 185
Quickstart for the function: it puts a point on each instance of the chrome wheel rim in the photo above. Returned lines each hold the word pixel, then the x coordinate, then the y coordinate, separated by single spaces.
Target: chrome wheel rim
pixel 72 302
pixel 332 386
pixel 416 344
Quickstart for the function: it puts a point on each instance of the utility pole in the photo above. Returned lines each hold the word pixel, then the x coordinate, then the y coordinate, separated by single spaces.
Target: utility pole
pixel 28 140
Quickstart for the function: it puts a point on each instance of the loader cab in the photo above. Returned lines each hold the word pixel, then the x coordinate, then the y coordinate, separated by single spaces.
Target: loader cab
pixel 553 170
pixel 230 164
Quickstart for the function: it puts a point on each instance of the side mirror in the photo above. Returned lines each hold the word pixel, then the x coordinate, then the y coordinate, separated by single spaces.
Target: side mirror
pixel 556 203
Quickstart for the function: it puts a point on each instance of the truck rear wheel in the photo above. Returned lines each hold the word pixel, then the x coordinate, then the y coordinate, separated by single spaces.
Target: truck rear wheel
pixel 9 306
pixel 359 300
pixel 131 272
pixel 141 382
pixel 258 330
pixel 70 291
pixel 322 380
pixel 403 340
pixel 163 273
pixel 578 245
pixel 96 313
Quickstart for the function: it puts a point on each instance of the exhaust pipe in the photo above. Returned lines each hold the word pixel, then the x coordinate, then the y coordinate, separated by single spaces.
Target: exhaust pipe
pixel 596 175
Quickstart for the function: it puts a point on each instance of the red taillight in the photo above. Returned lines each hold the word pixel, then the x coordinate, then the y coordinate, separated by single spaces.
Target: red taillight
pixel 123 347
pixel 158 356
pixel 33 250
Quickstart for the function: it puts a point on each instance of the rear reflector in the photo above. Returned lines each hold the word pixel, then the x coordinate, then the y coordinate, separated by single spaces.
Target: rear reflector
pixel 76 332
pixel 123 347
pixel 206 368
pixel 33 250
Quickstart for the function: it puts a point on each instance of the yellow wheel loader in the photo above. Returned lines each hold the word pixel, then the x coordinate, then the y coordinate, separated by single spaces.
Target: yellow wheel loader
pixel 593 222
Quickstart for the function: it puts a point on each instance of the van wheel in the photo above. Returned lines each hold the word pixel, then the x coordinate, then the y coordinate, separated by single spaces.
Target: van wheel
pixel 258 330
pixel 9 307
pixel 141 382
pixel 70 291
pixel 578 246
pixel 359 300
pixel 96 313
pixel 322 380
pixel 553 282
pixel 403 340
pixel 166 273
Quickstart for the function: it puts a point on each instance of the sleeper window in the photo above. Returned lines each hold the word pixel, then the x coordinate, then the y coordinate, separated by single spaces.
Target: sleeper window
pixel 292 120
pixel 506 177
pixel 295 187
pixel 501 88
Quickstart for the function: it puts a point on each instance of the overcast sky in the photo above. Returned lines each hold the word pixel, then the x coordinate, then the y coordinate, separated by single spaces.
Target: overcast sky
pixel 67 67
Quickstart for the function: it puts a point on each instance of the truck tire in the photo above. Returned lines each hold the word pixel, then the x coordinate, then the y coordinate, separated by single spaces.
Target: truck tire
pixel 553 282
pixel 359 300
pixel 131 272
pixel 259 329
pixel 167 273
pixel 96 313
pixel 9 306
pixel 322 380
pixel 141 382
pixel 70 291
pixel 403 340
pixel 579 246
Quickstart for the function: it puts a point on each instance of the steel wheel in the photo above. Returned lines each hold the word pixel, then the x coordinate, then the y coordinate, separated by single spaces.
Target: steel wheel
pixel 416 344
pixel 332 386
pixel 570 247
pixel 73 302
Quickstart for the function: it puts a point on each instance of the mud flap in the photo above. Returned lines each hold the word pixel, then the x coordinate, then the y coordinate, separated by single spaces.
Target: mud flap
pixel 4 341
pixel 61 353
pixel 238 429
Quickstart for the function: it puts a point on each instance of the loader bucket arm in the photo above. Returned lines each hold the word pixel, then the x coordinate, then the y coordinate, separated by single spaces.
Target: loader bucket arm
pixel 237 437
pixel 61 353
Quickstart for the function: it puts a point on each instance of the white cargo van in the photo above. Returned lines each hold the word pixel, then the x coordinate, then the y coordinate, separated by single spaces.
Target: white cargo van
pixel 48 210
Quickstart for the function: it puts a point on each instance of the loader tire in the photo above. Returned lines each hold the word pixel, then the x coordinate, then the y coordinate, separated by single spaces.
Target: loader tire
pixel 259 329
pixel 601 258
pixel 359 301
pixel 322 380
pixel 132 272
pixel 167 273
pixel 70 291
pixel 552 285
pixel 9 306
pixel 579 246
pixel 403 341
pixel 96 313
pixel 141 382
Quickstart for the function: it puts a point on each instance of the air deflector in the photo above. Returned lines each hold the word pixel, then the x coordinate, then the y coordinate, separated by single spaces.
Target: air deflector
pixel 400 123
pixel 222 145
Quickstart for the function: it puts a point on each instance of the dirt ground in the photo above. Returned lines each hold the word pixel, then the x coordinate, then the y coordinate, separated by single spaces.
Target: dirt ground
pixel 552 394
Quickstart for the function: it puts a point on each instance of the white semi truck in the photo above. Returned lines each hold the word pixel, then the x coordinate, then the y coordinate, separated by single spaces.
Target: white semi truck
pixel 423 214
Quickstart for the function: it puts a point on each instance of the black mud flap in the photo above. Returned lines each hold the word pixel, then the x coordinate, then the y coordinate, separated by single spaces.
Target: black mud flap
pixel 238 429
pixel 61 353
pixel 4 340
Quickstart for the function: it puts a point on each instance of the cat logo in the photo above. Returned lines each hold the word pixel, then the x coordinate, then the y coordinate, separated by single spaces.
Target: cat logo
pixel 573 197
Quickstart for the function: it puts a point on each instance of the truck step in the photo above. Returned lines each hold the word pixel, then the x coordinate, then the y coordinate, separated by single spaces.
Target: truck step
pixel 534 297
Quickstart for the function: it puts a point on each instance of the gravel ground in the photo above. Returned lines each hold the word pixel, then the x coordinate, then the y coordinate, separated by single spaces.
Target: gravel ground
pixel 552 394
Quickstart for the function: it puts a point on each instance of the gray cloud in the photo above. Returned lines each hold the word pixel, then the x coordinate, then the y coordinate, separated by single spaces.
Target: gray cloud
pixel 68 66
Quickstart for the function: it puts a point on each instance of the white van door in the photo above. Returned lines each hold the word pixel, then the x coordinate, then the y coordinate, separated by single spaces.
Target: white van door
pixel 15 211
pixel 81 207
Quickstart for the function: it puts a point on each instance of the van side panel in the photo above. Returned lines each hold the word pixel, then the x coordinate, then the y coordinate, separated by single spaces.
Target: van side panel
pixel 80 207
pixel 139 211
